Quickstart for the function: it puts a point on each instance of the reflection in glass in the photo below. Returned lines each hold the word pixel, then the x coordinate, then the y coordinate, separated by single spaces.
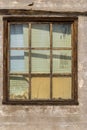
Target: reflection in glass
pixel 19 35
pixel 40 88
pixel 61 35
pixel 62 88
pixel 40 35
pixel 40 61
pixel 19 87
pixel 19 61
pixel 62 61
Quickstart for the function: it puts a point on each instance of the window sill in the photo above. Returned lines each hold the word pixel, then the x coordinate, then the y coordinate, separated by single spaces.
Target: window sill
pixel 41 102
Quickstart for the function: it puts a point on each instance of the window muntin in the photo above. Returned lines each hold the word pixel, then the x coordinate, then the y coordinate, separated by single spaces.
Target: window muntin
pixel 41 59
pixel 41 62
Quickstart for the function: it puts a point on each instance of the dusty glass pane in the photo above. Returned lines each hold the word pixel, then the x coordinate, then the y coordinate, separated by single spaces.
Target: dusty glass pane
pixel 19 61
pixel 62 61
pixel 40 35
pixel 62 88
pixel 19 87
pixel 40 61
pixel 40 88
pixel 19 35
pixel 61 35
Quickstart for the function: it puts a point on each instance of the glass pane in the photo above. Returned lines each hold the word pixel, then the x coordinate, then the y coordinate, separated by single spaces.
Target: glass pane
pixel 19 35
pixel 19 87
pixel 40 35
pixel 62 88
pixel 40 88
pixel 40 61
pixel 19 61
pixel 62 35
pixel 62 61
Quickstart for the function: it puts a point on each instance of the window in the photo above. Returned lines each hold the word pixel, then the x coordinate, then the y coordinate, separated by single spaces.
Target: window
pixel 40 61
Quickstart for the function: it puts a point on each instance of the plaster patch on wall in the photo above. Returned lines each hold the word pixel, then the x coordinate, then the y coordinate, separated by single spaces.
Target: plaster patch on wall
pixel 2 113
pixel 81 83
pixel 80 67
pixel 15 2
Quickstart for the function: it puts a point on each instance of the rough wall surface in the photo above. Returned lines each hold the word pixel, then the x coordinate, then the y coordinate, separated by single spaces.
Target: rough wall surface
pixel 49 117
pixel 54 5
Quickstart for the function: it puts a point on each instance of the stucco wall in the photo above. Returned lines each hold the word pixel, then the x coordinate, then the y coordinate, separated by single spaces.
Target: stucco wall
pixel 54 5
pixel 49 117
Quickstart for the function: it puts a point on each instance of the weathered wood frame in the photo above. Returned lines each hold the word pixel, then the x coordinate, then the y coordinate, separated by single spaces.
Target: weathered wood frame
pixel 50 20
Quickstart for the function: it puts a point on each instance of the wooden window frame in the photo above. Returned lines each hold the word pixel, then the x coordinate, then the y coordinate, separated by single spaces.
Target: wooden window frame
pixel 74 75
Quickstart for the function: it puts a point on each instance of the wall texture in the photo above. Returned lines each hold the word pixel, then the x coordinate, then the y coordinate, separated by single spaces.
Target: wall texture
pixel 54 5
pixel 49 117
